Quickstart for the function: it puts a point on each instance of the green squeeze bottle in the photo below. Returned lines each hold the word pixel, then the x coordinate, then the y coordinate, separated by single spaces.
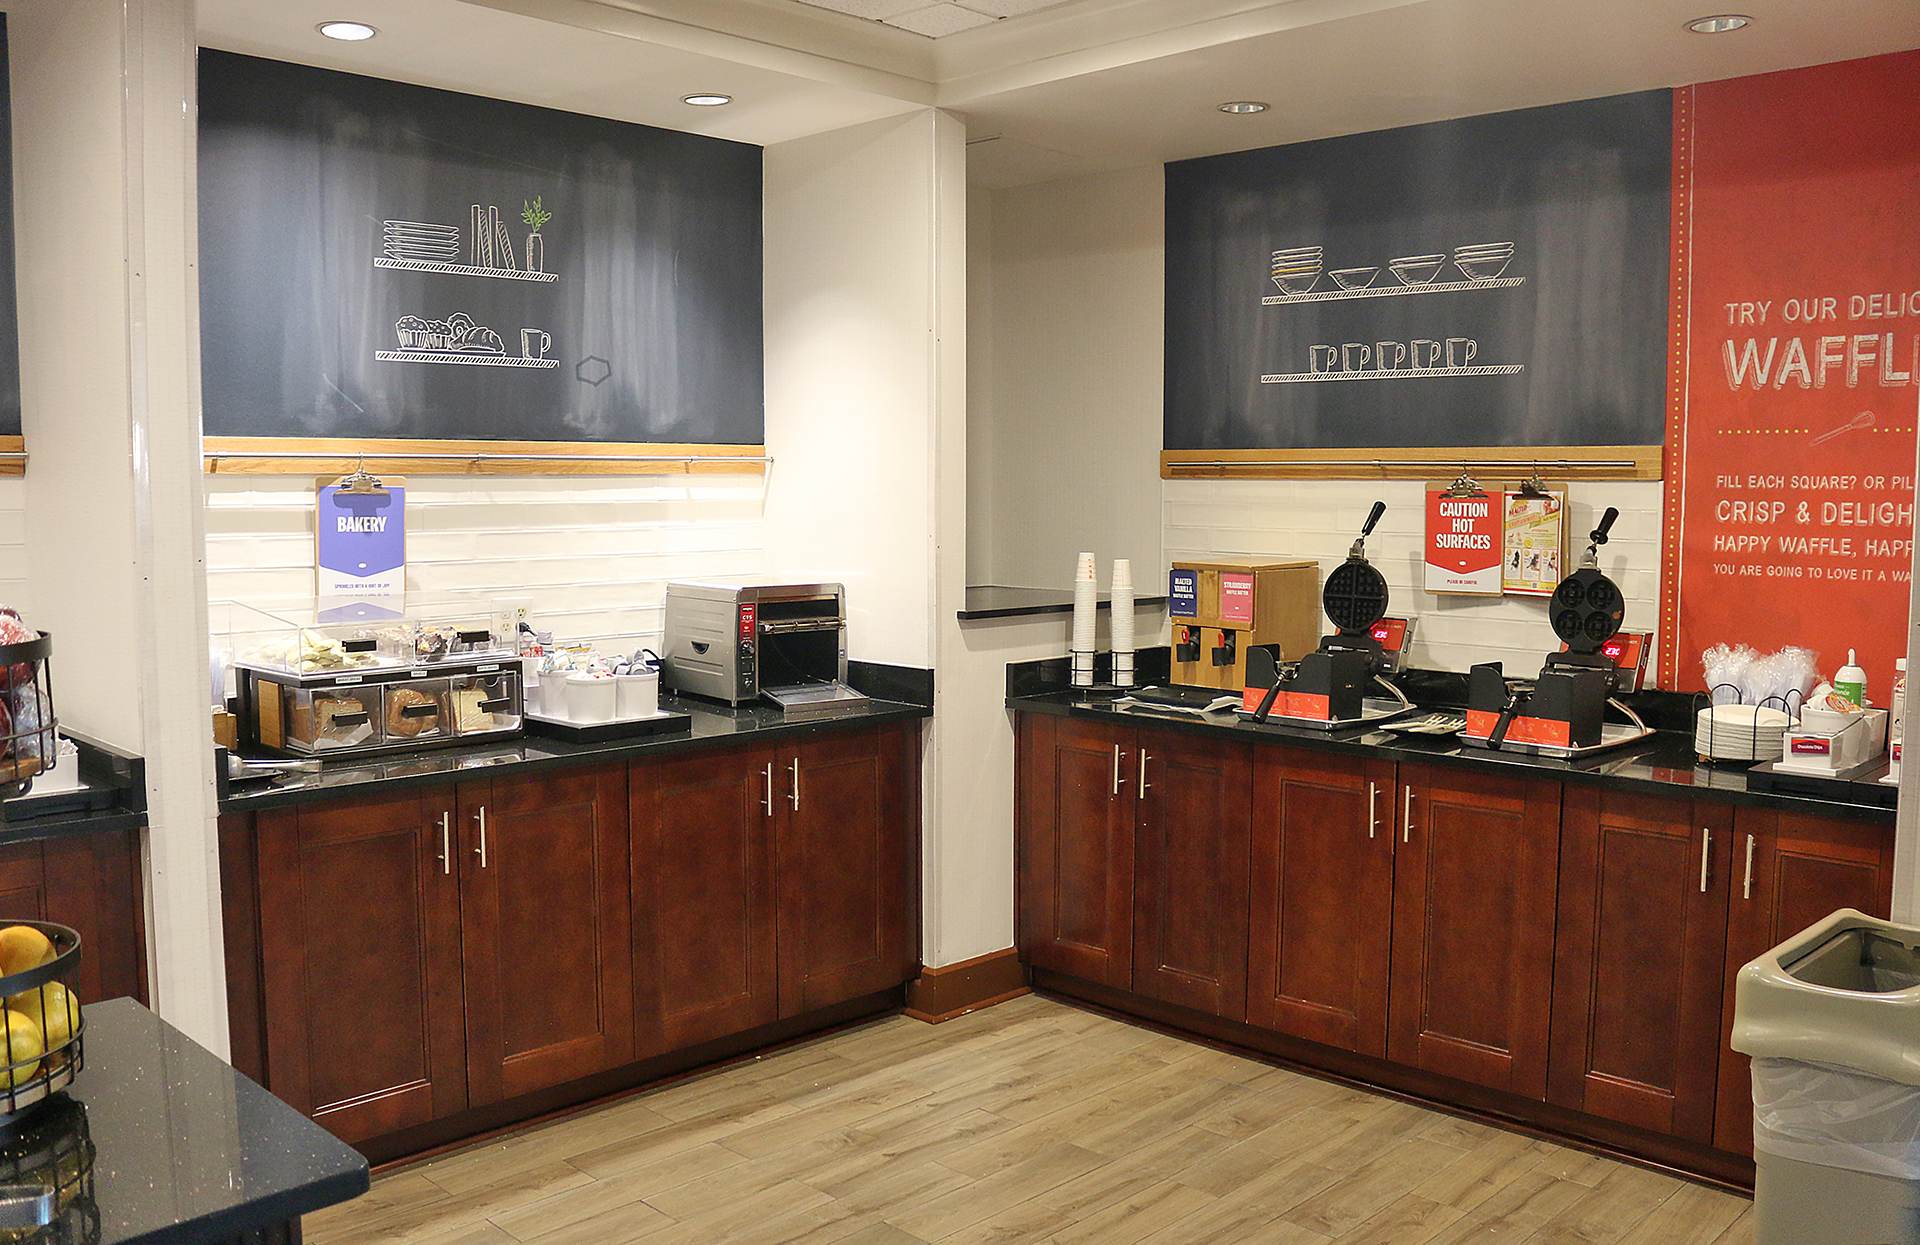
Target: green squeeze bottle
pixel 1851 681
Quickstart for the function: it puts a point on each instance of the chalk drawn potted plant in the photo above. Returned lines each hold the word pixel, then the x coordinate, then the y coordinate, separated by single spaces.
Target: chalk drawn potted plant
pixel 535 216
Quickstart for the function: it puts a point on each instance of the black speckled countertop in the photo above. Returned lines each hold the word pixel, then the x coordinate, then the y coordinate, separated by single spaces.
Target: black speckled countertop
pixel 1664 764
pixel 713 725
pixel 185 1148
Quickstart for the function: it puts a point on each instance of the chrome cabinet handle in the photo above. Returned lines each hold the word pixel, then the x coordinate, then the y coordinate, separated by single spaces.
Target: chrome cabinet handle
pixel 767 802
pixel 1143 773
pixel 481 851
pixel 1406 817
pixel 1116 769
pixel 1706 846
pixel 1373 818
pixel 1746 887
pixel 446 842
pixel 795 794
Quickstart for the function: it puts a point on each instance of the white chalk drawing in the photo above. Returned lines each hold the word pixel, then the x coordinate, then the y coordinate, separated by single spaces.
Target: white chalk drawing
pixel 1297 271
pixel 1419 359
pixel 457 339
pixel 427 246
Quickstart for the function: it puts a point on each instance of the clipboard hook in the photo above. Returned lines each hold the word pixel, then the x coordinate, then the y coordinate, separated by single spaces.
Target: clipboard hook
pixel 360 482
pixel 1533 485
pixel 1464 485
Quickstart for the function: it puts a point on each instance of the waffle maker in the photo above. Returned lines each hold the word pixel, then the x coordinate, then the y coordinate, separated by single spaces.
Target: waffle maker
pixel 1327 689
pixel 1562 712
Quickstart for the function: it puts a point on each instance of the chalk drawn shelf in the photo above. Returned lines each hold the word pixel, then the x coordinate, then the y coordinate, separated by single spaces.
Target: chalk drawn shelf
pixel 469 270
pixel 466 358
pixel 1398 373
pixel 1391 291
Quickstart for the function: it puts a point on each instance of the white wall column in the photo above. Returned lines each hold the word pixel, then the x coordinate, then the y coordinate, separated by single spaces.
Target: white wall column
pixel 106 237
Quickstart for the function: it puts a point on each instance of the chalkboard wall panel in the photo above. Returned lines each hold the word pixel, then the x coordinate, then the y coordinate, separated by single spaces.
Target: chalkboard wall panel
pixel 639 322
pixel 1566 347
pixel 9 305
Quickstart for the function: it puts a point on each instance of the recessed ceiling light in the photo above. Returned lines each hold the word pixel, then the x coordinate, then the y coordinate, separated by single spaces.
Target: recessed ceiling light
pixel 350 32
pixel 706 99
pixel 1718 24
pixel 1240 107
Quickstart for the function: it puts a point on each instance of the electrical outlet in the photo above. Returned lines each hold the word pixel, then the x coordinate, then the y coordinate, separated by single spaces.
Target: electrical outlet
pixel 508 614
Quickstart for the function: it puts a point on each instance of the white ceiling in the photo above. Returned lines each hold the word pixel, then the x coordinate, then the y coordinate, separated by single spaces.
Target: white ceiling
pixel 1063 88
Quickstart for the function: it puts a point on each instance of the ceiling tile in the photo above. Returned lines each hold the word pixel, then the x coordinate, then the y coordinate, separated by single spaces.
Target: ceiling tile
pixel 877 10
pixel 936 20
pixel 1010 8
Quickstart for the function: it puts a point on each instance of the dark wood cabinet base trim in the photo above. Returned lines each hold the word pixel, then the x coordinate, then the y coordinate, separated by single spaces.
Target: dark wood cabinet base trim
pixel 942 993
pixel 478 1124
pixel 1687 1160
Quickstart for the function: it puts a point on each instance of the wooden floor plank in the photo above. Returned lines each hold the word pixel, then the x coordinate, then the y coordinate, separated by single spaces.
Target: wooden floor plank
pixel 1030 1121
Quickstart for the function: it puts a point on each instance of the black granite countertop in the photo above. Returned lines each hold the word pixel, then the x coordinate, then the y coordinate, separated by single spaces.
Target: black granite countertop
pixel 1663 764
pixel 713 725
pixel 185 1149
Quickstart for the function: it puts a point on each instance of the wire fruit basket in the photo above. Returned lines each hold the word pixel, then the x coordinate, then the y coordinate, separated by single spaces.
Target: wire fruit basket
pixel 41 1027
pixel 46 1179
pixel 28 745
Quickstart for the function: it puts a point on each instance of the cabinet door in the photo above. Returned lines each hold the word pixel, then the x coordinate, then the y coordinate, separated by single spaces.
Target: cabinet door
pixel 90 882
pixel 851 800
pixel 548 947
pixel 703 897
pixel 1075 813
pixel 1474 888
pixel 1193 797
pixel 360 945
pixel 1639 958
pixel 1322 905
pixel 1792 871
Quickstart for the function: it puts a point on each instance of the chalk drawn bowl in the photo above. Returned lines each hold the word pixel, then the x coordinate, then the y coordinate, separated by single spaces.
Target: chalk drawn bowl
pixel 1416 269
pixel 1297 282
pixel 1354 278
pixel 1484 268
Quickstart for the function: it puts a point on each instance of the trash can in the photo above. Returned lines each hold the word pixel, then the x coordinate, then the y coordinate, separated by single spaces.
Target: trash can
pixel 1832 1020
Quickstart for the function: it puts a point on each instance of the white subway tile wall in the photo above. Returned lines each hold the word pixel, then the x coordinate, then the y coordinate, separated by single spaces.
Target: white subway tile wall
pixel 593 553
pixel 1319 519
pixel 13 544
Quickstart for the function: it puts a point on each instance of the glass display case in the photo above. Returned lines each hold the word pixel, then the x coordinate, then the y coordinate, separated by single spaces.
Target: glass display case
pixel 361 680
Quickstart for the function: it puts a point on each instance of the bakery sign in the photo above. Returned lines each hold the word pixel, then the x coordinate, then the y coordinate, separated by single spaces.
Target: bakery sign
pixel 1465 537
pixel 360 541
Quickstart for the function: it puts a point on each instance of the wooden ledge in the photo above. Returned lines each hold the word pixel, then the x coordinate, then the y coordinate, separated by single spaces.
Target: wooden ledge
pixel 319 456
pixel 1562 462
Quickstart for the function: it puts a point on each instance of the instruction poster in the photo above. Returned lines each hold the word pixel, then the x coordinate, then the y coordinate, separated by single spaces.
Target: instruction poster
pixel 1791 446
pixel 1534 543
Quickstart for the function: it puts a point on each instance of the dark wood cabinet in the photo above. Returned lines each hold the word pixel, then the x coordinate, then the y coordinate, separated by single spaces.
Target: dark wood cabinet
pixel 841 801
pixel 90 882
pixel 1075 809
pixel 1322 897
pixel 544 924
pixel 703 897
pixel 1475 879
pixel 1789 870
pixel 361 961
pixel 1639 958
pixel 1191 801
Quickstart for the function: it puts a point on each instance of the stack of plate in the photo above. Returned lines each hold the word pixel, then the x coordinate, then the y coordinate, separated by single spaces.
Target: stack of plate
pixel 1483 261
pixel 1295 270
pixel 1739 732
pixel 414 239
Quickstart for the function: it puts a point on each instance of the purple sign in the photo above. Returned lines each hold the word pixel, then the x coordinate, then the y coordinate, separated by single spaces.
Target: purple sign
pixel 361 542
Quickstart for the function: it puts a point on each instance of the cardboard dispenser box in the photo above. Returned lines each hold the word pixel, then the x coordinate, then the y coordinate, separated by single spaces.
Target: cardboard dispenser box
pixel 1220 607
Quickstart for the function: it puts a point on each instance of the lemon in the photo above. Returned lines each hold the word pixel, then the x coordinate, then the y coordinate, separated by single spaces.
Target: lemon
pixel 25 1046
pixel 53 1007
pixel 22 947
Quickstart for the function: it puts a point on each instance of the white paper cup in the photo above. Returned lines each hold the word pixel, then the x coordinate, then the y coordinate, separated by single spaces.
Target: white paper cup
pixel 636 695
pixel 589 700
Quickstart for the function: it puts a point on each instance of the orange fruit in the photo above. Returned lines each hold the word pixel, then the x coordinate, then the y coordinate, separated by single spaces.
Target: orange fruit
pixel 22 947
pixel 25 1046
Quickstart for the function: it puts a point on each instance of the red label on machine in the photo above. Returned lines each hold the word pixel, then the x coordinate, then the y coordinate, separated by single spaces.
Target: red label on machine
pixel 1545 731
pixel 1236 597
pixel 1811 745
pixel 1392 634
pixel 1306 705
pixel 746 621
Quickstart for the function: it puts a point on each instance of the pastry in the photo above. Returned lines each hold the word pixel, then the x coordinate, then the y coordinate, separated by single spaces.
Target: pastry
pixel 404 725
pixel 333 723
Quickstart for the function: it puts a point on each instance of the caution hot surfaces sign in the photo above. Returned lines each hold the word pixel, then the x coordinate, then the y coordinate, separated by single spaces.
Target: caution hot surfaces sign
pixel 1464 542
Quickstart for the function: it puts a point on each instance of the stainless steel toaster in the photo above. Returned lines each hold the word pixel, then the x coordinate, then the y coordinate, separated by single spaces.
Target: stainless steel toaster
pixel 734 641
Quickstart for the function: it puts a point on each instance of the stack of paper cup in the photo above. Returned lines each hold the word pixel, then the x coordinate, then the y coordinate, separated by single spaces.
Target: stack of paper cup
pixel 1121 624
pixel 1086 603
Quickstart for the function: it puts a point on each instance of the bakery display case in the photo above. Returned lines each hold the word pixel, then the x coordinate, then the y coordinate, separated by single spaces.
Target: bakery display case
pixel 348 682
